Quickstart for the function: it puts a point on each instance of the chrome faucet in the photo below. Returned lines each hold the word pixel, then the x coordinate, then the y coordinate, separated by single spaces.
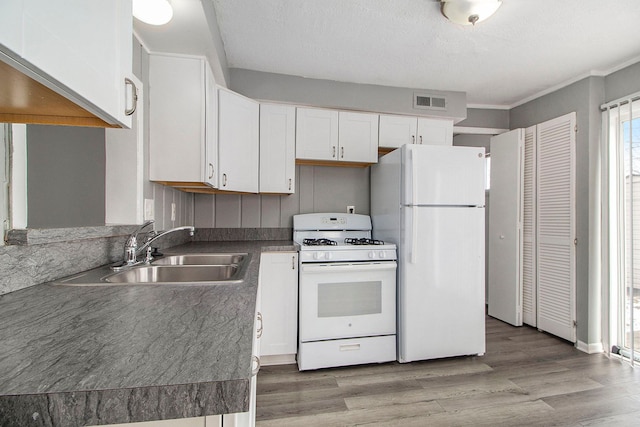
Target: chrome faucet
pixel 131 249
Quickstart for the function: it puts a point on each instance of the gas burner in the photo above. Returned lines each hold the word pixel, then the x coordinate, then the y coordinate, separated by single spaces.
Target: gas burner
pixel 362 241
pixel 319 242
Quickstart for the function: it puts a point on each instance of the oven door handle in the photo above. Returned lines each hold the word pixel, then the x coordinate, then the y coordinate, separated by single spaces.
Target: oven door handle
pixel 326 268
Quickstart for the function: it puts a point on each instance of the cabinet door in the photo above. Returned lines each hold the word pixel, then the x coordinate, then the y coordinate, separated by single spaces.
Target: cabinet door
pixel 395 131
pixel 316 134
pixel 435 131
pixel 177 119
pixel 279 278
pixel 238 146
pixel 124 170
pixel 210 174
pixel 277 148
pixel 84 46
pixel 358 137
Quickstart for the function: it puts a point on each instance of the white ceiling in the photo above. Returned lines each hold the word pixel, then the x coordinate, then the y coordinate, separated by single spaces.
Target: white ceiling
pixel 528 47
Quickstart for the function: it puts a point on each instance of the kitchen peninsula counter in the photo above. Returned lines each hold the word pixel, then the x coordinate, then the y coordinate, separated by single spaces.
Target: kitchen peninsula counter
pixel 89 355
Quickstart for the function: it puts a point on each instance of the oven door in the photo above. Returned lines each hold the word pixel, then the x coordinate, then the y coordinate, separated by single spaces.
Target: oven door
pixel 344 300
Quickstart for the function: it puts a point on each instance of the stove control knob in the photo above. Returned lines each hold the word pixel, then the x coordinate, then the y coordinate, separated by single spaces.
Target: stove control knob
pixel 317 255
pixel 329 255
pixel 383 254
pixel 372 254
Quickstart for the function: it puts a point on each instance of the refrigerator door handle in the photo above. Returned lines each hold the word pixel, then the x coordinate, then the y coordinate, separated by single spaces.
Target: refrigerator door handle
pixel 414 213
pixel 414 180
pixel 414 234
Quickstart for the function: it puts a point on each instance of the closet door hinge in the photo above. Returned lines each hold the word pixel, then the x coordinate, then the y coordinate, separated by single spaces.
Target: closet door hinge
pixel 575 242
pixel 575 128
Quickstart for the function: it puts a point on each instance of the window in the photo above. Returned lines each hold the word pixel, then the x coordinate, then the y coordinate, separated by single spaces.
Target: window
pixel 624 208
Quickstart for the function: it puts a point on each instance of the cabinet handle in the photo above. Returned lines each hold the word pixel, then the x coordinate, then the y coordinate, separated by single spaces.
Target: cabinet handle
pixel 420 139
pixel 333 154
pixel 210 170
pixel 413 139
pixel 289 184
pixel 224 179
pixel 256 360
pixel 134 97
pixel 342 152
pixel 293 262
pixel 260 328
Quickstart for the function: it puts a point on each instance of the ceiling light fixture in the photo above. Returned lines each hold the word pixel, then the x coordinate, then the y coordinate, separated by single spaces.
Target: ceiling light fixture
pixel 469 12
pixel 154 12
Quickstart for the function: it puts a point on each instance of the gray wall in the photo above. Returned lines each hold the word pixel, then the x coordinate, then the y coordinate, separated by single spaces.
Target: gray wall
pixel 65 176
pixel 622 83
pixel 318 189
pixel 583 97
pixel 327 93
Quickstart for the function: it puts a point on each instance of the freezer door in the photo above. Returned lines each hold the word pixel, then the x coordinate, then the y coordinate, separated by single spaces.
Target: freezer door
pixel 445 176
pixel 441 283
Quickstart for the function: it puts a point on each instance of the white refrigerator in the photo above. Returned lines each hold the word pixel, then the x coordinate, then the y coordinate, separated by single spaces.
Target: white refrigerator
pixel 429 201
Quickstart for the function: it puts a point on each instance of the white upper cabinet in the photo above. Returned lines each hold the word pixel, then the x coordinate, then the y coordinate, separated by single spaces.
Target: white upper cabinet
pixel 358 137
pixel 329 135
pixel 80 49
pixel 435 131
pixel 396 131
pixel 316 134
pixel 182 121
pixel 277 148
pixel 238 142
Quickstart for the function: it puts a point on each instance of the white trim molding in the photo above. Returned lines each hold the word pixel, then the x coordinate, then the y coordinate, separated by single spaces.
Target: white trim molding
pixel 592 348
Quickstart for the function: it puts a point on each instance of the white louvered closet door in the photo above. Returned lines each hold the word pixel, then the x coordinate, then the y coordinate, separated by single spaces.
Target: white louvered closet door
pixel 529 298
pixel 556 226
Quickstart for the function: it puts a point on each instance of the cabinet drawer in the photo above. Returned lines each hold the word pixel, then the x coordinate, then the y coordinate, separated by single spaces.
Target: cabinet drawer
pixel 353 351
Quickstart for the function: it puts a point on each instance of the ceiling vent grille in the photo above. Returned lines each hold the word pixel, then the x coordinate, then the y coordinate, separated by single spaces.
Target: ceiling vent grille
pixel 429 102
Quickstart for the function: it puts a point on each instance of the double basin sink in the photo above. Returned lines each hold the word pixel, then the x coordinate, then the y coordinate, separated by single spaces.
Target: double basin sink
pixel 173 269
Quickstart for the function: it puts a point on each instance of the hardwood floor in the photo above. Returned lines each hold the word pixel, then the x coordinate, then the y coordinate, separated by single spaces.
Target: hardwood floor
pixel 525 378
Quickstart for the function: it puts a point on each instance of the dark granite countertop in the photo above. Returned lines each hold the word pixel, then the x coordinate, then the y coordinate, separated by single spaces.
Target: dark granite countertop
pixel 76 356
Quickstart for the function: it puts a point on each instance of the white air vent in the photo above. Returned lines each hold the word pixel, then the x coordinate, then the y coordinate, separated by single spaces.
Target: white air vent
pixel 429 102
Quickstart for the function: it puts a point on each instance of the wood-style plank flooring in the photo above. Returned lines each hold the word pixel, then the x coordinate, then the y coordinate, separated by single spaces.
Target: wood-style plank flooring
pixel 525 378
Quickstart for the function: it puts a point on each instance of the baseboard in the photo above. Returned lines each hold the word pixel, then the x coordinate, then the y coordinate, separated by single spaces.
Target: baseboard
pixel 590 348
pixel 278 359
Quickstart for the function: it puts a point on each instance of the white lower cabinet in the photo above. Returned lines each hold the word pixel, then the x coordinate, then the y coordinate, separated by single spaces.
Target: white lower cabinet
pixel 279 281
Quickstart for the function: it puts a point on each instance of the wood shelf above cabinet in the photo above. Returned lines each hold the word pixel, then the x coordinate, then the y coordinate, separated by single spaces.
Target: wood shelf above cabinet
pixel 24 100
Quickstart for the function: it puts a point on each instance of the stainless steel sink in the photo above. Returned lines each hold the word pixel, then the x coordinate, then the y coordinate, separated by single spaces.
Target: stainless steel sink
pixel 158 274
pixel 200 259
pixel 180 269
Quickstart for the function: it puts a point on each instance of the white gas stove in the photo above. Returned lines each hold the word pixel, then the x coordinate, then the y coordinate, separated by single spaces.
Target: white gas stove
pixel 335 237
pixel 347 292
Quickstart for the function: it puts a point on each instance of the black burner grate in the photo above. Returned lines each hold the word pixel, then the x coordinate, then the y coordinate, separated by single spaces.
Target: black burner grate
pixel 319 242
pixel 362 241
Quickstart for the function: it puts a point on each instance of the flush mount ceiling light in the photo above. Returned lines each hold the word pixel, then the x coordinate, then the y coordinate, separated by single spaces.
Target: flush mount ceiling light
pixel 469 12
pixel 154 12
